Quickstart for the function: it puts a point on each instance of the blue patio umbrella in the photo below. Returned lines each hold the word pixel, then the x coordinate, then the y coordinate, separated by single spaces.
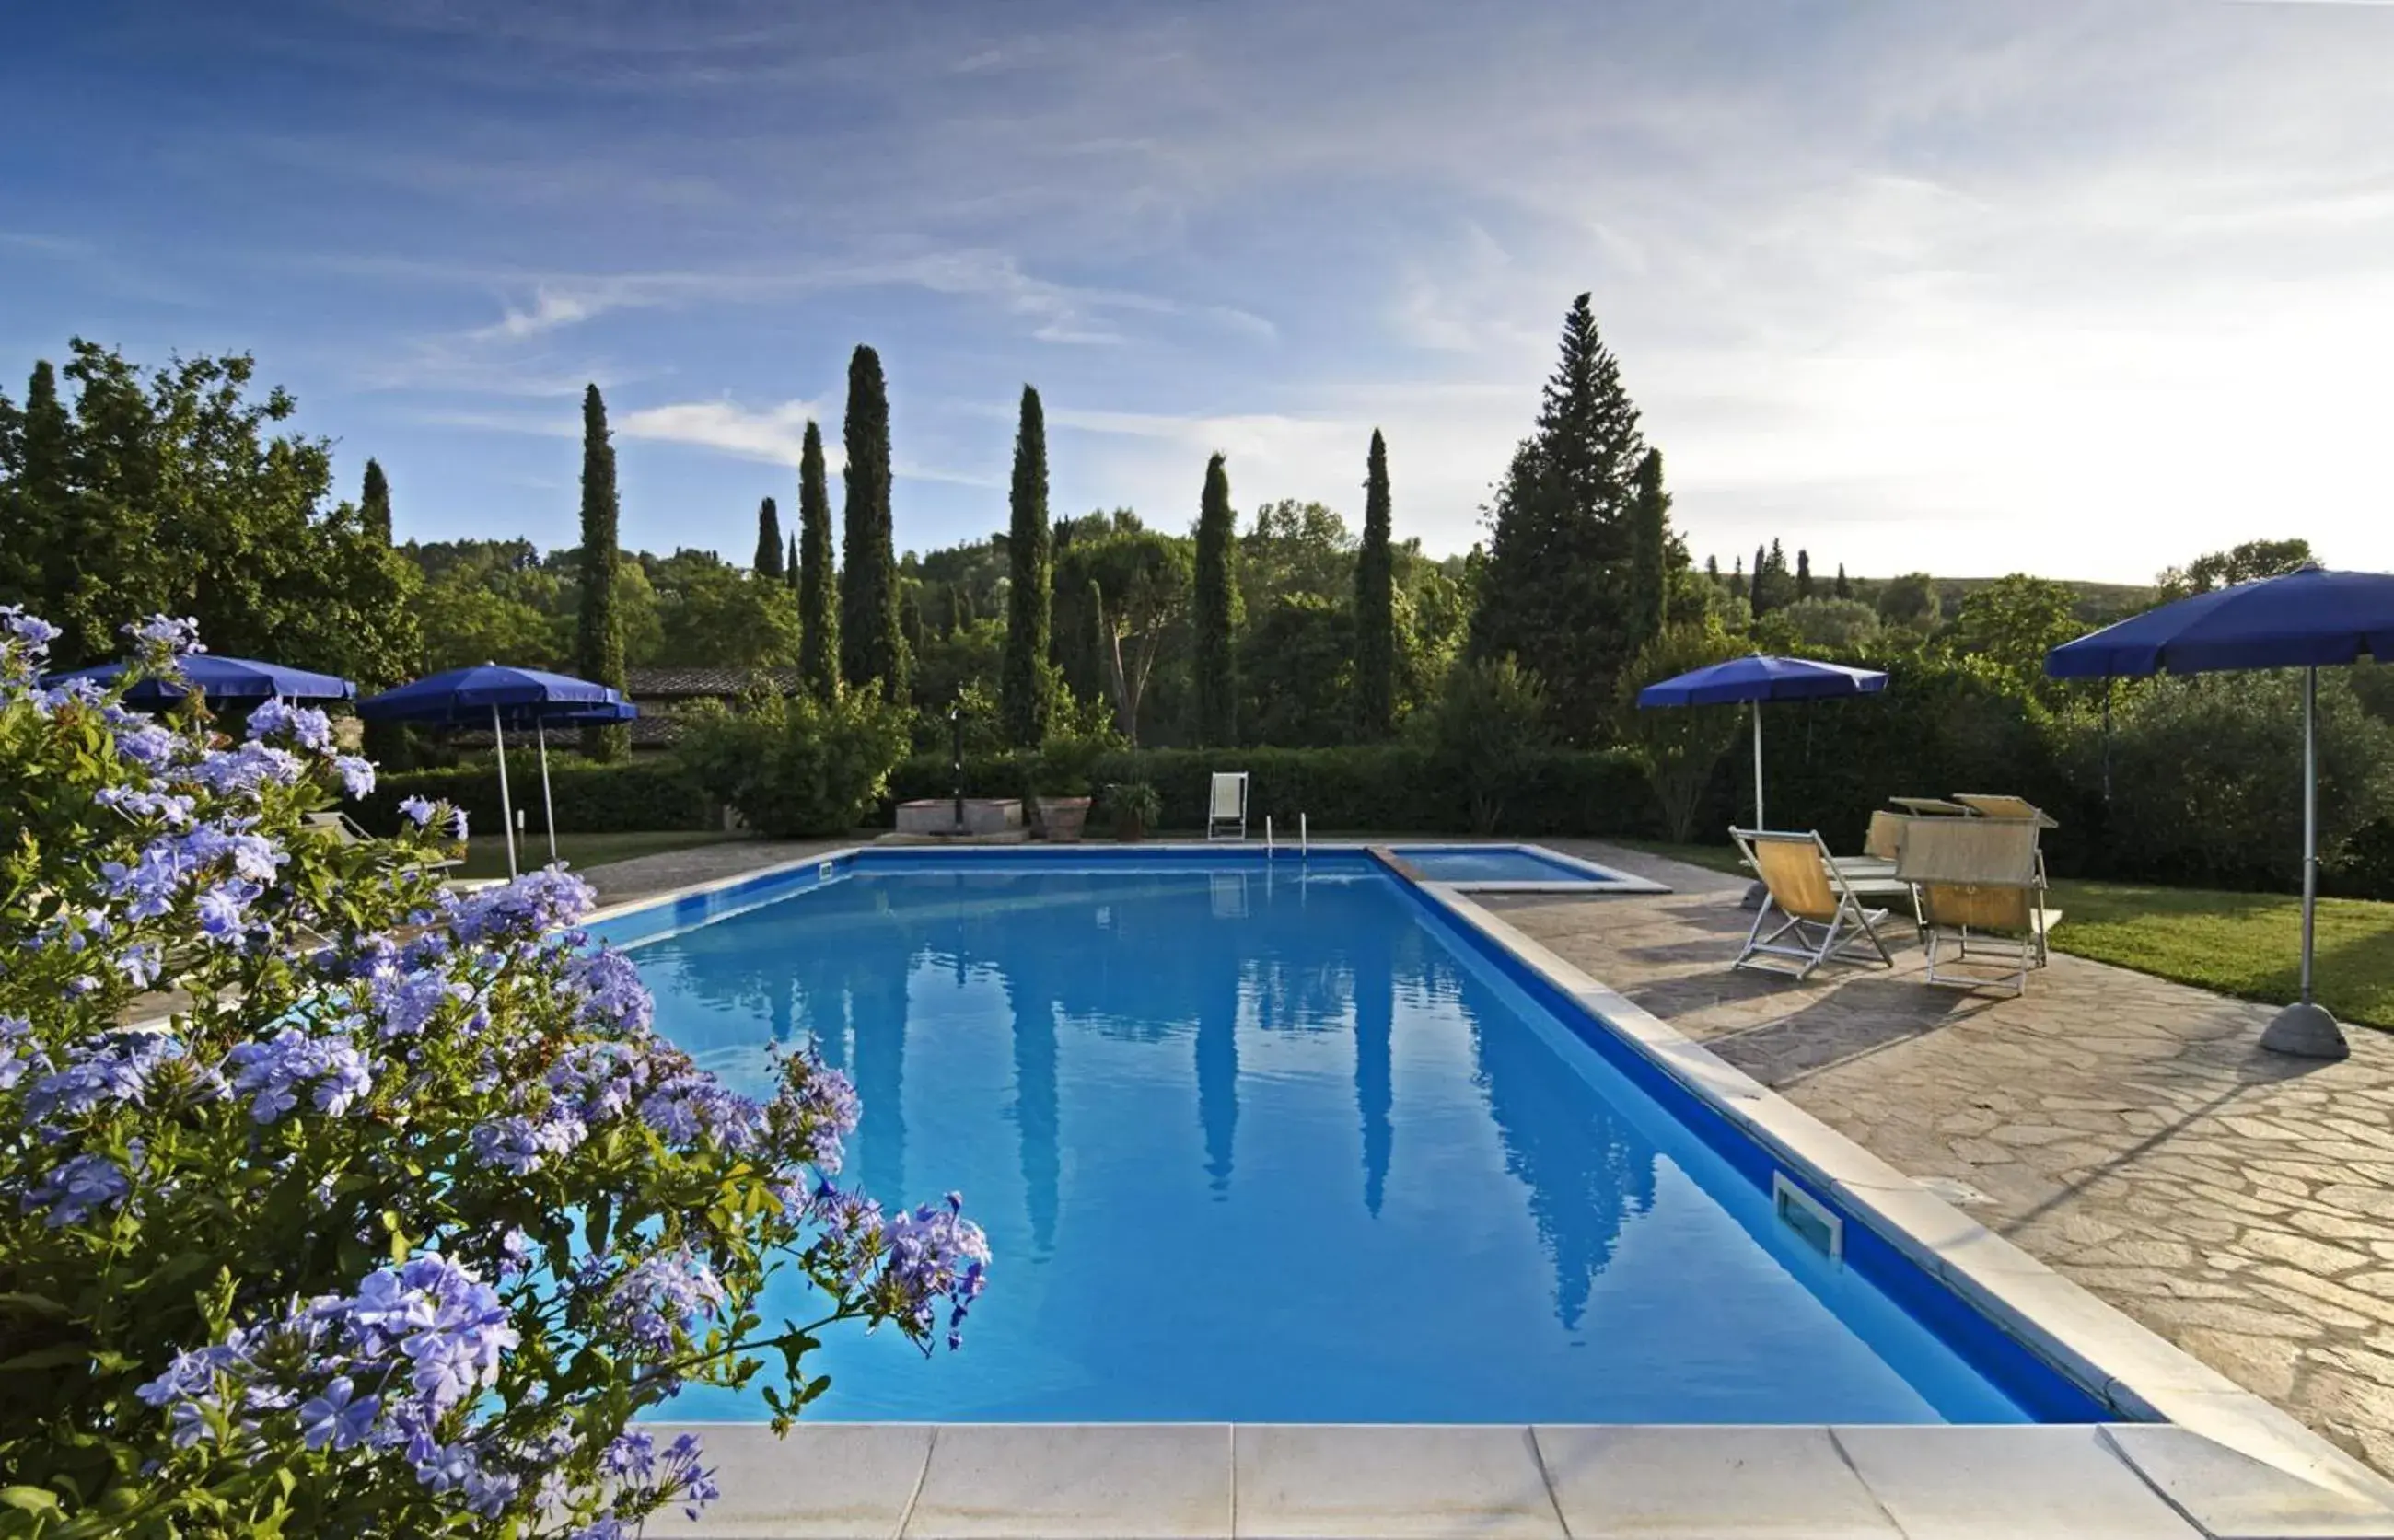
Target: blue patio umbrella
pixel 2302 619
pixel 220 680
pixel 462 698
pixel 1755 680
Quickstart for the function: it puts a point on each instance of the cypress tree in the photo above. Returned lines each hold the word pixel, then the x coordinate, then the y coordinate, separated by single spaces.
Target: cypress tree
pixel 1843 590
pixel 790 563
pixel 1648 548
pixel 1712 569
pixel 41 563
pixel 1215 665
pixel 374 503
pixel 1022 687
pixel 769 539
pixel 385 742
pixel 818 590
pixel 1803 575
pixel 598 643
pixel 1759 590
pixel 1737 582
pixel 871 645
pixel 1376 605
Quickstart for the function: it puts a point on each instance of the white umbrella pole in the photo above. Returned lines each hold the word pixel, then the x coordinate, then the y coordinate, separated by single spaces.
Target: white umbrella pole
pixel 2310 818
pixel 547 803
pixel 506 808
pixel 2305 1028
pixel 1758 821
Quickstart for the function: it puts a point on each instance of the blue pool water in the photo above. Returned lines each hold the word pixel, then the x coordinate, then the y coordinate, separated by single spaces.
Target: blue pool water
pixel 1493 864
pixel 1274 1143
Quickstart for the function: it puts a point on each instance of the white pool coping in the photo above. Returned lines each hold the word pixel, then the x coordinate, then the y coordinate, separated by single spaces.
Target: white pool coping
pixel 2225 1462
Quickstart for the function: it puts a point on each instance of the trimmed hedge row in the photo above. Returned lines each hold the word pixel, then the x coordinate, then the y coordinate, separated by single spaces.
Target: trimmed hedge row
pixel 591 799
pixel 1387 788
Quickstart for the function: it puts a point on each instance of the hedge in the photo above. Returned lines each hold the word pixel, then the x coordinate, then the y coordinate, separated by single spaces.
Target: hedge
pixel 591 799
pixel 1379 787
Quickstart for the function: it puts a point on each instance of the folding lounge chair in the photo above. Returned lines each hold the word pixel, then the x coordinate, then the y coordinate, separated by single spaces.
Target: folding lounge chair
pixel 1226 807
pixel 1980 889
pixel 346 831
pixel 1813 913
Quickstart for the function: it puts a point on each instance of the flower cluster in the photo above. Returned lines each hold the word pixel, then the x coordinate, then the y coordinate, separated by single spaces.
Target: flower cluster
pixel 358 1064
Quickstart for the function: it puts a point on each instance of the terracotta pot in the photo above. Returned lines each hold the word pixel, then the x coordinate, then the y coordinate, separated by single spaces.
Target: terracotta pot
pixel 1063 818
pixel 1130 831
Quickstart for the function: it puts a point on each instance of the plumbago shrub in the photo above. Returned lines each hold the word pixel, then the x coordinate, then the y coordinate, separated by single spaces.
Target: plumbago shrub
pixel 399 1217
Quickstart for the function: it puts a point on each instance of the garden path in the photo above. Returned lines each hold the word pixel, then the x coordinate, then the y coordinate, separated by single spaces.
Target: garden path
pixel 2128 1131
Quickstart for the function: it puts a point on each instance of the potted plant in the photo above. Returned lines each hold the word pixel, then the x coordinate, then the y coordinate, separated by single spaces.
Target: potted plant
pixel 1062 788
pixel 1134 806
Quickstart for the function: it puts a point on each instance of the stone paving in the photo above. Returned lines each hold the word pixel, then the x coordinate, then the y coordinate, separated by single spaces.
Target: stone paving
pixel 2126 1131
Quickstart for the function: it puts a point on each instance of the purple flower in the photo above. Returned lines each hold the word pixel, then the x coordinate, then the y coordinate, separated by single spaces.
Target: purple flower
pixel 308 726
pixel 255 857
pixel 418 811
pixel 19 1055
pixel 403 1003
pixel 272 1073
pixel 356 775
pixel 533 905
pixel 114 1068
pixel 176 636
pixel 224 907
pixel 935 1253
pixel 76 1188
pixel 148 744
pixel 617 1001
pixel 661 1297
pixel 31 632
pixel 692 1107
pixel 337 1416
pixel 519 1145
pixel 601 1079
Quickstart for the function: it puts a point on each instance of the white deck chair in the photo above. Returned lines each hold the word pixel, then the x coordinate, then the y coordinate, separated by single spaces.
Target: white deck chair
pixel 1812 915
pixel 1981 884
pixel 1226 807
pixel 346 831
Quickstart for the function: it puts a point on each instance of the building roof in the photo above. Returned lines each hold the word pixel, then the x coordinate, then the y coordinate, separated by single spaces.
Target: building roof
pixel 685 684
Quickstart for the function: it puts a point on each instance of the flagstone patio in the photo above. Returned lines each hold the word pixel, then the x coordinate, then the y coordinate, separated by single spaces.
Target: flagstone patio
pixel 2126 1131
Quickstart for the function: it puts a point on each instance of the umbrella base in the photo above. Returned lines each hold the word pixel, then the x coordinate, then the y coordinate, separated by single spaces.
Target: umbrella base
pixel 2306 1032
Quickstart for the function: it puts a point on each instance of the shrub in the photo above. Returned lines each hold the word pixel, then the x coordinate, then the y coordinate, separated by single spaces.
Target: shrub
pixel 795 765
pixel 2208 773
pixel 1485 727
pixel 399 1220
pixel 1679 746
pixel 623 797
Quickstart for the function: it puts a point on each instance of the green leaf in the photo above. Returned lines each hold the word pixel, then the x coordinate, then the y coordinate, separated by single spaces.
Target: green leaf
pixel 58 1357
pixel 29 1499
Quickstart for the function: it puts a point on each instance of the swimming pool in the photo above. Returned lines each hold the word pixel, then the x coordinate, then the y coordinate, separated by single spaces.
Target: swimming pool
pixel 1268 1140
pixel 1504 865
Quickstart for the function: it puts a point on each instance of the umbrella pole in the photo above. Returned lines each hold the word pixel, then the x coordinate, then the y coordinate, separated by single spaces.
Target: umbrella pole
pixel 2305 1029
pixel 506 808
pixel 547 803
pixel 2310 818
pixel 1758 822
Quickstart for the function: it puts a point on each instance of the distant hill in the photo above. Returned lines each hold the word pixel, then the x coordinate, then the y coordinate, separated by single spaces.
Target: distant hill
pixel 2096 603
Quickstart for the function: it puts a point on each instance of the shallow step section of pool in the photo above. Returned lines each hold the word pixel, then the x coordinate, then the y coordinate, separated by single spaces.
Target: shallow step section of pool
pixel 1214 1481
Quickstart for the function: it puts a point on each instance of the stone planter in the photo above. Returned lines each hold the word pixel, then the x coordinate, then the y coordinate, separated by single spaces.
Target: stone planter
pixel 1063 818
pixel 936 816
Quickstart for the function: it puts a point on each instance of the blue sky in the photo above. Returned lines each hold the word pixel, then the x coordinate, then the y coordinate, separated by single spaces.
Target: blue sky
pixel 2084 289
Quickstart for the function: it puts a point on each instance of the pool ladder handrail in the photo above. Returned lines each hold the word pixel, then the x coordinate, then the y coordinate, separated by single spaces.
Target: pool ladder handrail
pixel 1304 838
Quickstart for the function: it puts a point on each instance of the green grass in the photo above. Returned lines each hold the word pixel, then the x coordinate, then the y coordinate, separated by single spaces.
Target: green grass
pixel 2243 943
pixel 487 857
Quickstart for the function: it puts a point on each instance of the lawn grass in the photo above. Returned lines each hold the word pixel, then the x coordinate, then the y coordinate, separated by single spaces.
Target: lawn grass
pixel 2244 944
pixel 488 857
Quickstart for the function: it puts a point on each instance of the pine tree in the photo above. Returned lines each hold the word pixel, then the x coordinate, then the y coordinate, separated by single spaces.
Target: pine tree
pixel 1650 550
pixel 1758 593
pixel 818 588
pixel 1712 569
pixel 1555 593
pixel 1803 576
pixel 1024 688
pixel 871 645
pixel 1215 664
pixel 1376 605
pixel 374 503
pixel 769 539
pixel 1737 582
pixel 598 643
pixel 1844 590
